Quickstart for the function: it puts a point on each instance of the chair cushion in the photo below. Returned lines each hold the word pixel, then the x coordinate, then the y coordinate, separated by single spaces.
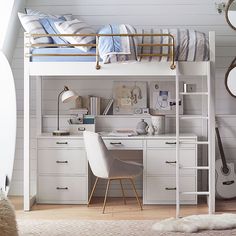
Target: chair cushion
pixel 125 169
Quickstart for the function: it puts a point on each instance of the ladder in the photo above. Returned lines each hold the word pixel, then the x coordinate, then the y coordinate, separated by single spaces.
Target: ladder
pixel 210 126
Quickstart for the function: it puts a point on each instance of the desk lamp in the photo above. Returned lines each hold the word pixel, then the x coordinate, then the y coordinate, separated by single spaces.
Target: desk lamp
pixel 67 96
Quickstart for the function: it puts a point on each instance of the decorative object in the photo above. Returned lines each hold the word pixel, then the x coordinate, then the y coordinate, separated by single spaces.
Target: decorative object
pixel 67 96
pixel 128 97
pixel 7 124
pixel 162 97
pixel 195 223
pixel 230 13
pixel 8 226
pixel 230 79
pixel 158 123
pixel 220 7
pixel 151 130
pixel 142 127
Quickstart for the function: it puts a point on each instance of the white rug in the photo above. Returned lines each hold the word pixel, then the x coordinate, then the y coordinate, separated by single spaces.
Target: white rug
pixel 196 223
pixel 100 228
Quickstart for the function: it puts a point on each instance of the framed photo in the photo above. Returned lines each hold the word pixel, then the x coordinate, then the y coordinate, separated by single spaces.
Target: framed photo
pixel 129 97
pixel 162 97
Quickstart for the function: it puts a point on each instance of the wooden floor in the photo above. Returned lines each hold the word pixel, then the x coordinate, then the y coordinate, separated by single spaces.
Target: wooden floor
pixel 116 210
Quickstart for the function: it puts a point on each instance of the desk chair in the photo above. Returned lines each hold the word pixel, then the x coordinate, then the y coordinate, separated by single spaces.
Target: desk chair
pixel 105 166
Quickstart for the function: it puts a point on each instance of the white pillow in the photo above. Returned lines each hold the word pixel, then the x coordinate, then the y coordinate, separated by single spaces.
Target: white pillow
pixel 43 14
pixel 32 25
pixel 77 27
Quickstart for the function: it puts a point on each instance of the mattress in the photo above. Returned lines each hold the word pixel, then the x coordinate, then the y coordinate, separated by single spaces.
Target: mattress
pixel 59 51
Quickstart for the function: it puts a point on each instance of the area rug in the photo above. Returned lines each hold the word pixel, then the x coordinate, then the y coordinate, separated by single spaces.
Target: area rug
pixel 101 228
pixel 195 223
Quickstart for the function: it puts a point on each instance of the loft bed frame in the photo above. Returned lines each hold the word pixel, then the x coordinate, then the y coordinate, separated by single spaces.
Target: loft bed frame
pixel 128 69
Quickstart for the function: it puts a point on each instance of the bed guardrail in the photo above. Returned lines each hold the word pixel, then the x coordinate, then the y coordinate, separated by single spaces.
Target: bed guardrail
pixel 170 45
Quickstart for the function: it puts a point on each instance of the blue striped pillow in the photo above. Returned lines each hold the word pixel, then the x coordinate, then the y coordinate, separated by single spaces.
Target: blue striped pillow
pixel 49 26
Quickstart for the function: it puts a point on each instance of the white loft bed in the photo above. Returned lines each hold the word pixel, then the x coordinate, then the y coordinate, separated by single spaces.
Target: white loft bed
pixel 39 69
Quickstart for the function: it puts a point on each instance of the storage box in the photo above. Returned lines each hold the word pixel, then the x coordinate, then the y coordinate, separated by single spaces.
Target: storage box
pixel 79 128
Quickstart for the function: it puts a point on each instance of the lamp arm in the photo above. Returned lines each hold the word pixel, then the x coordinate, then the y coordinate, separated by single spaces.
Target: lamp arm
pixel 58 106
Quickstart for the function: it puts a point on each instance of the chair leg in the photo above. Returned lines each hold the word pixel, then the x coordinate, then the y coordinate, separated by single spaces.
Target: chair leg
pixel 94 186
pixel 136 194
pixel 105 199
pixel 123 193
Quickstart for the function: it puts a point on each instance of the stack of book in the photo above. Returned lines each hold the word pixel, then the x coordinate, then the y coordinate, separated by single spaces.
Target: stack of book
pixel 95 106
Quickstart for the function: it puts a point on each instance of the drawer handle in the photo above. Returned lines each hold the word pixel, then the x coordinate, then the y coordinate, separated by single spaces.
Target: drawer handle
pixel 81 129
pixel 170 189
pixel 170 162
pixel 171 143
pixel 61 142
pixel 59 188
pixel 115 143
pixel 62 162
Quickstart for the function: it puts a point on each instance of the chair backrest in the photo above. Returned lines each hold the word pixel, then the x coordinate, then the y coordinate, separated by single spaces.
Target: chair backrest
pixel 98 155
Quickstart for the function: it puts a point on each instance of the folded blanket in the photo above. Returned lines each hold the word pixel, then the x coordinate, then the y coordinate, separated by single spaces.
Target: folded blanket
pixel 190 45
pixel 116 48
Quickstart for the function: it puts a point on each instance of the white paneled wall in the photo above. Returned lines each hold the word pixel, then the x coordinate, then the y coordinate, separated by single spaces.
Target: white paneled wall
pixel 195 14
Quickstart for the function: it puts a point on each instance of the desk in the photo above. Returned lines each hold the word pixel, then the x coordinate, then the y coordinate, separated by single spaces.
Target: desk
pixel 64 176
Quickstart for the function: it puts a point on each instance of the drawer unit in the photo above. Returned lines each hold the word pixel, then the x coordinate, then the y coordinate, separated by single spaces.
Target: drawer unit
pixel 60 143
pixel 62 161
pixel 162 161
pixel 62 171
pixel 62 190
pixel 123 144
pixel 168 143
pixel 161 190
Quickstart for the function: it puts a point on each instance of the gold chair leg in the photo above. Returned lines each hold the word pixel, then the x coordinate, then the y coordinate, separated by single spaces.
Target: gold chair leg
pixel 136 194
pixel 123 192
pixel 94 186
pixel 105 199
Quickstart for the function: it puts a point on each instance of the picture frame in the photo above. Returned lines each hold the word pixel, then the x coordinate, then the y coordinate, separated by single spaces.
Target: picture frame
pixel 162 98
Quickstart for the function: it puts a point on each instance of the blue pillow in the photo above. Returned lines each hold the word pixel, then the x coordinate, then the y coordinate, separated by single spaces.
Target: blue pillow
pixel 49 26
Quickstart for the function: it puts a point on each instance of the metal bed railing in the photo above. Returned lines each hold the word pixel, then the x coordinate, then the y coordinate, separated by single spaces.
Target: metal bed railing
pixel 170 45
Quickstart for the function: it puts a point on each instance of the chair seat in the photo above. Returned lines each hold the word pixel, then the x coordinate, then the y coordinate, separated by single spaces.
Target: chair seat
pixel 124 169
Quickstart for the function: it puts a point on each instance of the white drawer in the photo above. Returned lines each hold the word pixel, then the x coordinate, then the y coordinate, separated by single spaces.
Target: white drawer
pixel 161 190
pixel 60 143
pixel 62 161
pixel 161 161
pixel 123 144
pixel 168 143
pixel 62 190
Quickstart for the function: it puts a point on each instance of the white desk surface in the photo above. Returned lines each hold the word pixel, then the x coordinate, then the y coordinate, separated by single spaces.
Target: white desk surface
pixel 142 137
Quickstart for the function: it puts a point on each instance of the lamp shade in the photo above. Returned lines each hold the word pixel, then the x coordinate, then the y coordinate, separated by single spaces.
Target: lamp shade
pixel 68 96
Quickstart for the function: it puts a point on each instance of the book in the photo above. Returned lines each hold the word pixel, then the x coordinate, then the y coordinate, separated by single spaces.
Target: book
pixel 95 105
pixel 106 110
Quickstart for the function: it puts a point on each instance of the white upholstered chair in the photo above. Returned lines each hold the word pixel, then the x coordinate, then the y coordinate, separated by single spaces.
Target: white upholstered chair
pixel 105 166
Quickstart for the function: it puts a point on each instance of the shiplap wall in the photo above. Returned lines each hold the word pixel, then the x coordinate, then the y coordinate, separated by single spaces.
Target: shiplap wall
pixel 200 15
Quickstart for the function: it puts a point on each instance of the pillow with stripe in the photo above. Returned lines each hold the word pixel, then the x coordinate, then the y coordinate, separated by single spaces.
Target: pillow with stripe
pixel 49 26
pixel 77 27
pixel 32 25
pixel 43 14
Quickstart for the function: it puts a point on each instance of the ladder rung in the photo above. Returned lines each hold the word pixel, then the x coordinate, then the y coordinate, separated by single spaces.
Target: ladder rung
pixel 193 93
pixel 196 167
pixel 195 193
pixel 184 117
pixel 197 142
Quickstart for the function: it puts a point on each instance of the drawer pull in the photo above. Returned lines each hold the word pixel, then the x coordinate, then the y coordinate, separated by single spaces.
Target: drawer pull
pixel 59 188
pixel 170 162
pixel 170 189
pixel 115 143
pixel 61 142
pixel 171 143
pixel 62 162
